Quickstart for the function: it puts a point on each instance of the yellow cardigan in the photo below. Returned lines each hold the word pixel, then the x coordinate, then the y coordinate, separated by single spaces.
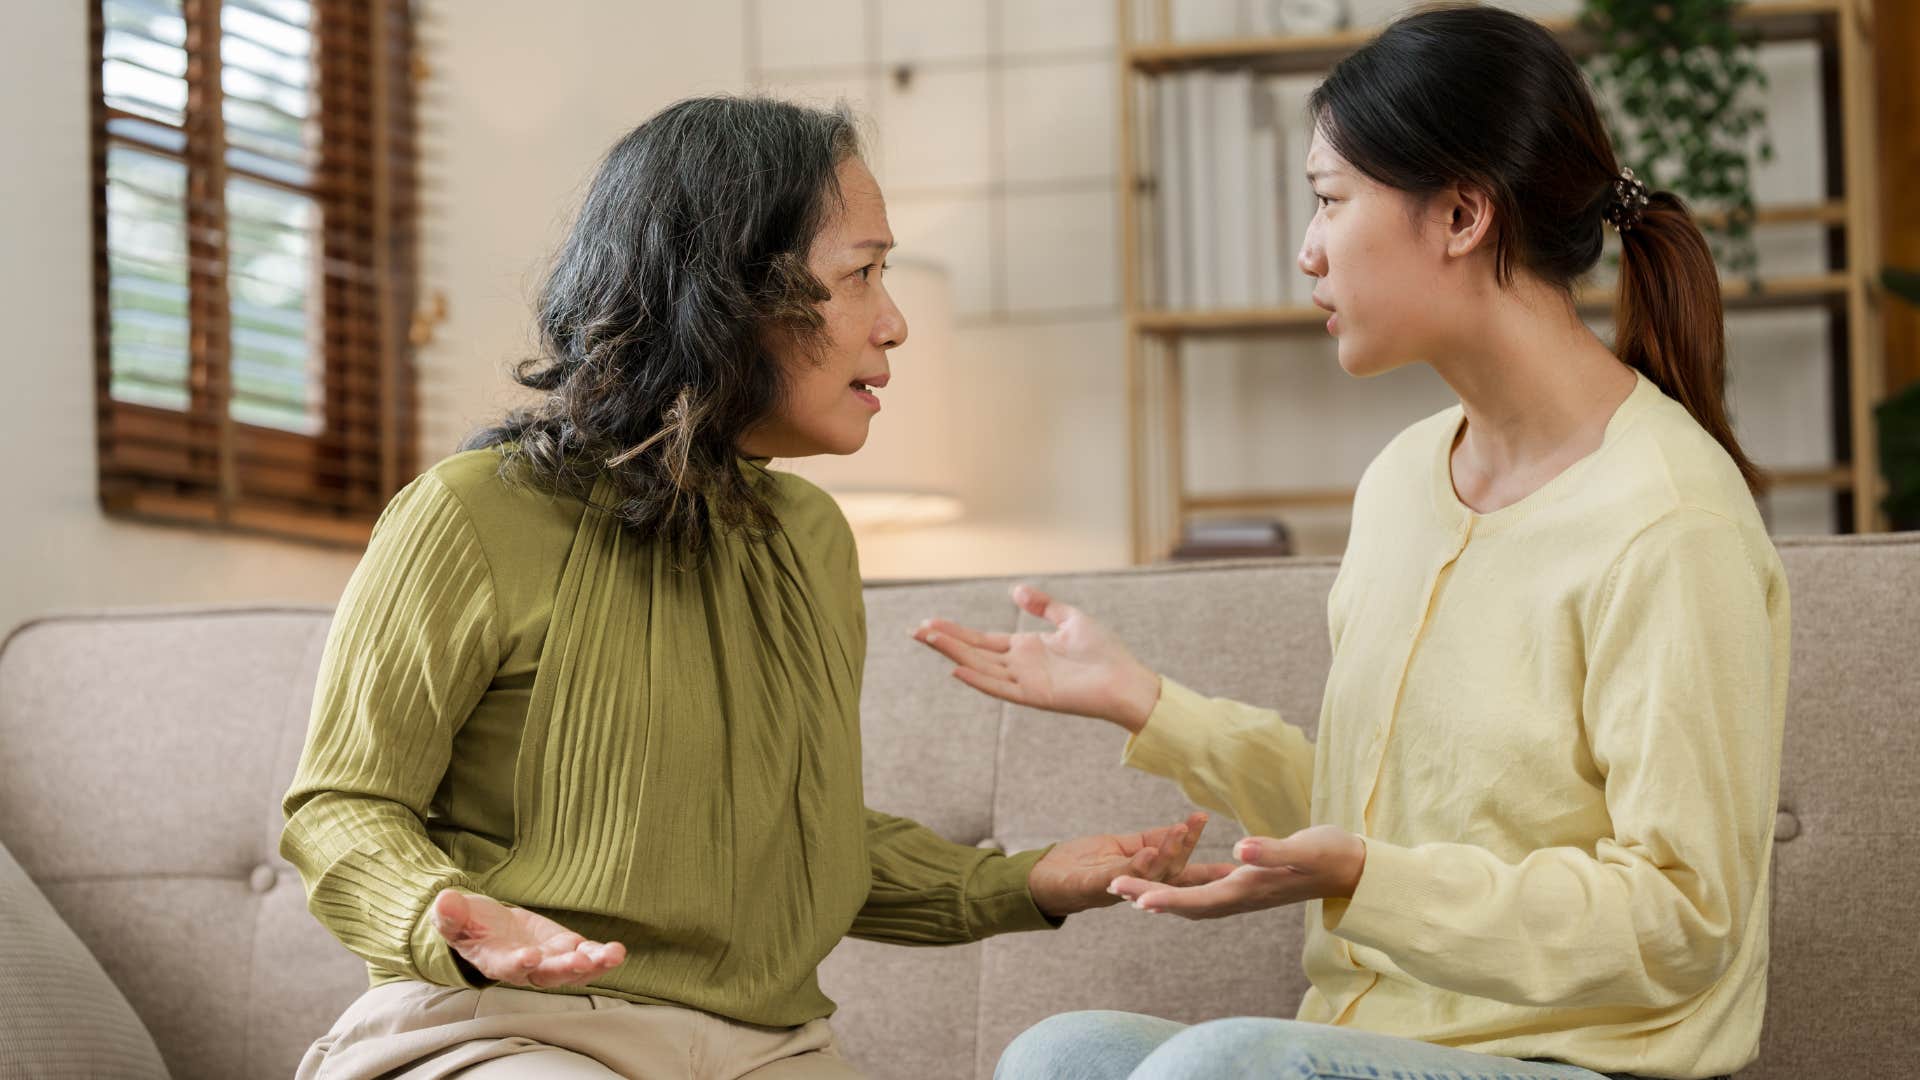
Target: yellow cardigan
pixel 1558 728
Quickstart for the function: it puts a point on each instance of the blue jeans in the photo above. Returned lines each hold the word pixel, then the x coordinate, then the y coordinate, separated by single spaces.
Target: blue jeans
pixel 1117 1045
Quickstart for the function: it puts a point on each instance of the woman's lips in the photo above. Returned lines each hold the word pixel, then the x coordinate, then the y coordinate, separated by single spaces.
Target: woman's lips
pixel 1333 318
pixel 872 402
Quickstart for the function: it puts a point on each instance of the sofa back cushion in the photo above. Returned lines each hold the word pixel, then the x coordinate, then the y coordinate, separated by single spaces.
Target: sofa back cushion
pixel 143 756
pixel 61 1018
pixel 142 760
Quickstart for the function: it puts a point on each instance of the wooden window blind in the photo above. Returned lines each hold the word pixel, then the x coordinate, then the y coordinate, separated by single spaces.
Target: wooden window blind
pixel 254 236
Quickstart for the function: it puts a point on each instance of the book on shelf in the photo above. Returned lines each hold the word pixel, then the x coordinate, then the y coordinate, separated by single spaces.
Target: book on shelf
pixel 1202 192
pixel 1209 20
pixel 1269 251
pixel 1290 93
pixel 1233 188
pixel 1170 162
pixel 1231 203
pixel 1228 539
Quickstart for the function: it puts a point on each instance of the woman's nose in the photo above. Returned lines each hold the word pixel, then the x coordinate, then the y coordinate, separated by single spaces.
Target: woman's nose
pixel 1310 260
pixel 891 330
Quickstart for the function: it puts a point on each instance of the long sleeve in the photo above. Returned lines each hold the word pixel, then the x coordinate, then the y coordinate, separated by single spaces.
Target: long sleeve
pixel 1242 761
pixel 1681 675
pixel 411 650
pixel 928 890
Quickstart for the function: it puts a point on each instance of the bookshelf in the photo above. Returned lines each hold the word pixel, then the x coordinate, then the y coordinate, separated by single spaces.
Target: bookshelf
pixel 1157 333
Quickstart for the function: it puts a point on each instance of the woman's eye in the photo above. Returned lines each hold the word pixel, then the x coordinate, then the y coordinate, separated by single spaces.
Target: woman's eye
pixel 1323 199
pixel 867 270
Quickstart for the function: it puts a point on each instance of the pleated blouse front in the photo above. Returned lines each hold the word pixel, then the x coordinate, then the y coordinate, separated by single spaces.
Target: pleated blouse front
pixel 520 697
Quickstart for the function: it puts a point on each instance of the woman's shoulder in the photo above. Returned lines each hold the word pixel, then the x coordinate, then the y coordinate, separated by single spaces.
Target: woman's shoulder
pixel 491 485
pixel 807 512
pixel 1405 464
pixel 1668 464
pixel 524 528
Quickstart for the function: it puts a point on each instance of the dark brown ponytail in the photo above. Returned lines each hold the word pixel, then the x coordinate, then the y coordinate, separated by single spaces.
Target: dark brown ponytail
pixel 1461 93
pixel 1668 320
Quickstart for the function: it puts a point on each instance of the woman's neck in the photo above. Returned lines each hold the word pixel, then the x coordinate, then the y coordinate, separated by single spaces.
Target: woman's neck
pixel 1538 389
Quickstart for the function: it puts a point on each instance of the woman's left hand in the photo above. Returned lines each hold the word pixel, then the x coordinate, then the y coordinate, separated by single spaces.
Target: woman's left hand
pixel 1075 874
pixel 1318 863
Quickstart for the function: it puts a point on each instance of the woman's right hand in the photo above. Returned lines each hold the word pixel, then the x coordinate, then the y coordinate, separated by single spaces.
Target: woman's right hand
pixel 516 946
pixel 1078 667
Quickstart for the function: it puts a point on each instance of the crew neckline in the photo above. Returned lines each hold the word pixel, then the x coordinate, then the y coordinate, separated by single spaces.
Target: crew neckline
pixel 1454 511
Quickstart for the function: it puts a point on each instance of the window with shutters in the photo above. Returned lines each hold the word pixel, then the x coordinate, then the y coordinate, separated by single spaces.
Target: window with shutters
pixel 254 261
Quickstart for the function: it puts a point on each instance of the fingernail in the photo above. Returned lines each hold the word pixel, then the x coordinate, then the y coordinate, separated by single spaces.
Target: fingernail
pixel 1248 850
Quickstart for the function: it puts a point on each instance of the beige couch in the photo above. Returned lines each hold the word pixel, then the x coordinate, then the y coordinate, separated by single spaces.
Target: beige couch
pixel 143 755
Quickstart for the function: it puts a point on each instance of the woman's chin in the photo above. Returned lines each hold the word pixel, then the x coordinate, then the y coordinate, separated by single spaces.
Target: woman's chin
pixel 1351 361
pixel 848 441
pixel 1364 365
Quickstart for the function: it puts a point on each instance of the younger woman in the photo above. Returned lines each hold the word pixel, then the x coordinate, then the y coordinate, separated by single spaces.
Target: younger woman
pixel 1532 837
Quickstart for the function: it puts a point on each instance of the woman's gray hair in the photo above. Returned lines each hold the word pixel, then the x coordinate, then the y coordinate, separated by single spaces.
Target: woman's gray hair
pixel 688 253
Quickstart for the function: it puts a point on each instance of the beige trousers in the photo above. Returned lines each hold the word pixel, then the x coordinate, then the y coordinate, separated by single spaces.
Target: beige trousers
pixel 420 1031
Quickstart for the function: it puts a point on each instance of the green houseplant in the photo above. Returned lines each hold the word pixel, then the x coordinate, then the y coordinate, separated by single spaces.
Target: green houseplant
pixel 1687 87
pixel 1898 420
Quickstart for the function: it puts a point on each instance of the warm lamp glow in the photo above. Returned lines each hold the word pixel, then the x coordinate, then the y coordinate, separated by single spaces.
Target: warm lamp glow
pixel 886 510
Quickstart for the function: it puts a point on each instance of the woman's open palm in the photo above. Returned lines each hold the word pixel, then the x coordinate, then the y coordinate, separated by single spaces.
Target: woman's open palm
pixel 517 946
pixel 1078 667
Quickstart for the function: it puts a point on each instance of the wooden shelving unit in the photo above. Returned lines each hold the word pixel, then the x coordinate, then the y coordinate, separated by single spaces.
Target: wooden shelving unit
pixel 1848 291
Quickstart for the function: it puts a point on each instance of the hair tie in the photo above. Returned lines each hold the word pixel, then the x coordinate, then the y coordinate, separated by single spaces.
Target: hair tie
pixel 1628 203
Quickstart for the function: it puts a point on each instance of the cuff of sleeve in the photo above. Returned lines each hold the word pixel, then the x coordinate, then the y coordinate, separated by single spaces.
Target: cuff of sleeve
pixel 999 900
pixel 436 961
pixel 1174 735
pixel 1388 903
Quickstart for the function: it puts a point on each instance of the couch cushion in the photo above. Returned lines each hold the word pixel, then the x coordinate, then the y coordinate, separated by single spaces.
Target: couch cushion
pixel 160 854
pixel 1846 936
pixel 1846 931
pixel 144 755
pixel 61 1018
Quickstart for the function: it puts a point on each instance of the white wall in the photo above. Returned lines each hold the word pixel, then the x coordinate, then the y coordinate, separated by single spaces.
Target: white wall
pixel 56 550
pixel 998 161
pixel 524 103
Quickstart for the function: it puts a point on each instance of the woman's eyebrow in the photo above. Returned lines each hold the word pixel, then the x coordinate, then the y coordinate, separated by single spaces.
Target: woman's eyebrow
pixel 880 245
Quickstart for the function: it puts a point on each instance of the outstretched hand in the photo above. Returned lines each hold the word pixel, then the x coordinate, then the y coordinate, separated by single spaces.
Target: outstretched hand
pixel 1075 875
pixel 517 946
pixel 1317 863
pixel 1078 667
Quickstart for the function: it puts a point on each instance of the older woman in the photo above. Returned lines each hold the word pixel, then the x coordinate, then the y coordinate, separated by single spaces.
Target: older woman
pixel 583 779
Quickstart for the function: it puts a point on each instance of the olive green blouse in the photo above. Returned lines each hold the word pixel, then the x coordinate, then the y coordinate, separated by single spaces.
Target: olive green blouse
pixel 522 698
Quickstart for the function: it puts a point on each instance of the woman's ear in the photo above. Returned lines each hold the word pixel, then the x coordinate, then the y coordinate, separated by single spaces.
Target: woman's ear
pixel 1469 219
